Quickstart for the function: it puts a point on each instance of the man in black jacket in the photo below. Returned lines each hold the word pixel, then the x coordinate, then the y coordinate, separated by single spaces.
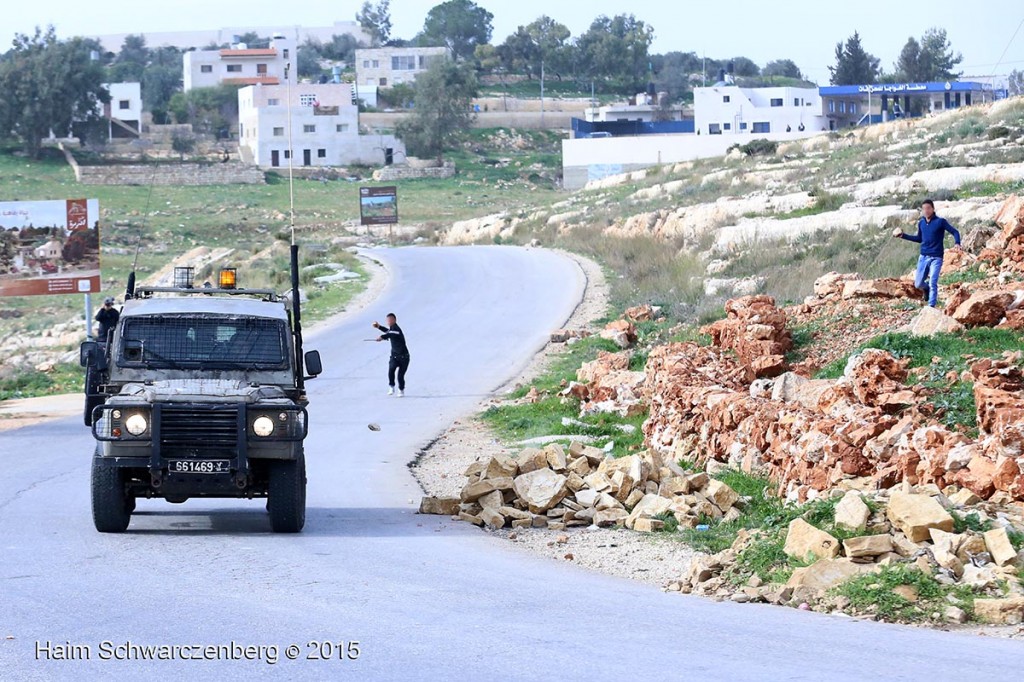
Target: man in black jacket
pixel 399 353
pixel 107 317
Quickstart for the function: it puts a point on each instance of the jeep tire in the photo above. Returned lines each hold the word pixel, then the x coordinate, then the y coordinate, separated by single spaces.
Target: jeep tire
pixel 111 504
pixel 286 495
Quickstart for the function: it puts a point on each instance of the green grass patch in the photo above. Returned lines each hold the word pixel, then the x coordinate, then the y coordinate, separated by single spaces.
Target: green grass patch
pixel 874 593
pixel 964 276
pixel 970 521
pixel 956 400
pixel 825 203
pixel 64 378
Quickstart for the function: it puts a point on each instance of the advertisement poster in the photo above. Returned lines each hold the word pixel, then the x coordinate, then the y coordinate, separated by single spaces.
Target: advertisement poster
pixel 378 205
pixel 49 247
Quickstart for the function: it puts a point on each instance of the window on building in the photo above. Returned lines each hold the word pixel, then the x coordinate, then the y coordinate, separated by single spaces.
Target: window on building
pixel 273 102
pixel 309 128
pixel 762 127
pixel 422 61
pixel 842 106
pixel 287 153
pixel 831 106
pixel 206 68
pixel 714 129
pixel 796 101
pixel 376 63
pixel 366 63
pixel 261 69
pixel 285 55
pixel 743 125
pixel 278 132
pixel 776 102
pixel 307 100
pixel 124 104
pixel 403 63
pixel 726 126
pixel 341 128
pixel 234 68
pixel 726 99
pixel 853 107
pixel 383 82
pixel 321 153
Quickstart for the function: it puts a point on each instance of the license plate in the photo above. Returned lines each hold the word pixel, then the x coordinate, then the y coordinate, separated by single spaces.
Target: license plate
pixel 199 466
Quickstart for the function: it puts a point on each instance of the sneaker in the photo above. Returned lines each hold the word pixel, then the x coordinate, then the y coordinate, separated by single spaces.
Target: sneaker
pixel 391 391
pixel 401 392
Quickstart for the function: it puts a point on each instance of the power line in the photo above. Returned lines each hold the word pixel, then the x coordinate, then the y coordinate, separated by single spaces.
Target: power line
pixel 1007 48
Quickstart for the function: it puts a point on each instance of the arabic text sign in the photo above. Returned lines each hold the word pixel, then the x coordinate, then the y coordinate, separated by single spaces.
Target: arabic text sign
pixel 378 205
pixel 49 247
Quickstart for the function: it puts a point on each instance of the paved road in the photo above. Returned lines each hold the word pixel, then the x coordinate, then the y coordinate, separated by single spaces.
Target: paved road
pixel 425 598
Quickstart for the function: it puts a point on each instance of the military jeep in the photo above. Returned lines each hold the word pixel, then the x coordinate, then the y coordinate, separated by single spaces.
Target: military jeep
pixel 199 393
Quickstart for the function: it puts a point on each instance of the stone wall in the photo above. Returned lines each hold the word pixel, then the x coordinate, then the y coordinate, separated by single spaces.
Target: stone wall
pixel 392 173
pixel 181 174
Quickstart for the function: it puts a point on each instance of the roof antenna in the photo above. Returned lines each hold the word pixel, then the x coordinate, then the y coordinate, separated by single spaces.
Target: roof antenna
pixel 129 291
pixel 296 303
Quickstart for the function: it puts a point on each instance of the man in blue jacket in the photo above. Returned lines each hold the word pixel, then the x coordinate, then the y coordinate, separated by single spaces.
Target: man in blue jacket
pixel 931 232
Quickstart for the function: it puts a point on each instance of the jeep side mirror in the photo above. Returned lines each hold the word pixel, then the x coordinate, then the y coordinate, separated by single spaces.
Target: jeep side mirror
pixel 88 352
pixel 313 364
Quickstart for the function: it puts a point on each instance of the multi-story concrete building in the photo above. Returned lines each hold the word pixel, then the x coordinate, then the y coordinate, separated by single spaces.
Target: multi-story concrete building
pixel 238 65
pixel 726 109
pixel 386 66
pixel 324 125
pixel 199 39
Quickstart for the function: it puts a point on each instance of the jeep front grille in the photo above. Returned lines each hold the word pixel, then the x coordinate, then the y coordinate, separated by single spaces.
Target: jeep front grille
pixel 198 431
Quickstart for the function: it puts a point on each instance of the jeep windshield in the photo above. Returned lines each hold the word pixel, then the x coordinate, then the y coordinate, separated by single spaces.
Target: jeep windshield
pixel 203 342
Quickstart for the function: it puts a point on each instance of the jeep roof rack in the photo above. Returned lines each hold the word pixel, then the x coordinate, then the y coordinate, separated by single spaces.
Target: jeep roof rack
pixel 266 294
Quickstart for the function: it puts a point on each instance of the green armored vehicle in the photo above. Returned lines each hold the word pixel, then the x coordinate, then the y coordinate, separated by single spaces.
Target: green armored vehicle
pixel 199 392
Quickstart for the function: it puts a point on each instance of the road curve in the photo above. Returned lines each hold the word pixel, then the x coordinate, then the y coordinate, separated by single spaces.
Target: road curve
pixel 425 598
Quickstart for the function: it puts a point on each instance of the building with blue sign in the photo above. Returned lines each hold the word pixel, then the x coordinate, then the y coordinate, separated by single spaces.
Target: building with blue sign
pixel 846 105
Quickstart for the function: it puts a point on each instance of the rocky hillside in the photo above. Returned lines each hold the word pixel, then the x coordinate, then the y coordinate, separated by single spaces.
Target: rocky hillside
pixel 875 443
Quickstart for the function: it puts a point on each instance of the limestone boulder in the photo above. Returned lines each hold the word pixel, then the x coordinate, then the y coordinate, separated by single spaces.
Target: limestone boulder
pixel 804 541
pixel 983 309
pixel 915 515
pixel 931 321
pixel 1006 611
pixel 867 546
pixel 851 512
pixel 823 575
pixel 541 489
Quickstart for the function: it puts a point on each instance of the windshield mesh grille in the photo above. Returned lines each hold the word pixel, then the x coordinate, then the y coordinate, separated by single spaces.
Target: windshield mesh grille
pixel 214 341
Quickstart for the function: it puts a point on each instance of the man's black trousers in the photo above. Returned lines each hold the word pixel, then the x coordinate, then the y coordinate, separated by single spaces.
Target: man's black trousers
pixel 399 364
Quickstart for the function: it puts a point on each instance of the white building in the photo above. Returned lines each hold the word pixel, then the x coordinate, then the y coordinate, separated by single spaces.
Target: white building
pixel 124 111
pixel 645 113
pixel 199 39
pixel 726 109
pixel 386 66
pixel 238 65
pixel 325 128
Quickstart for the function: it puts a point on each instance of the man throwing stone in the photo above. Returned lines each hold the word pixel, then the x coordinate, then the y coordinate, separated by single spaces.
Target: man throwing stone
pixel 931 232
pixel 399 353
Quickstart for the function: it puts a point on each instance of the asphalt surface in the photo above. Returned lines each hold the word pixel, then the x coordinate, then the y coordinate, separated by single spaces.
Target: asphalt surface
pixel 425 598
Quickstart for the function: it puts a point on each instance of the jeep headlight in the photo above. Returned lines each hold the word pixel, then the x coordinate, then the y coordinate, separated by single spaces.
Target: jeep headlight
pixel 136 424
pixel 263 426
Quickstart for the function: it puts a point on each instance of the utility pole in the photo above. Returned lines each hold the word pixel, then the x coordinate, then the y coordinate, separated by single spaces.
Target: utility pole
pixel 542 94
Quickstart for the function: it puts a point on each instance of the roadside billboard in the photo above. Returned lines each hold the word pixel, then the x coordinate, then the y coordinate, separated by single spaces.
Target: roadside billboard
pixel 378 205
pixel 49 247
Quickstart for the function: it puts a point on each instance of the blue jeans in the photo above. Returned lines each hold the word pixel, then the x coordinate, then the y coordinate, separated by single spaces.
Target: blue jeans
pixel 927 278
